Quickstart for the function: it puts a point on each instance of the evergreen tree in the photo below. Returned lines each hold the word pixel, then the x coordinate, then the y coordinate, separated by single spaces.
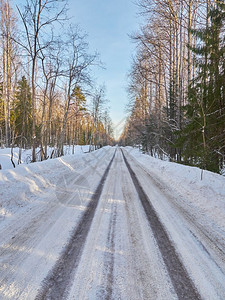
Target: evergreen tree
pixel 78 107
pixel 203 137
pixel 23 112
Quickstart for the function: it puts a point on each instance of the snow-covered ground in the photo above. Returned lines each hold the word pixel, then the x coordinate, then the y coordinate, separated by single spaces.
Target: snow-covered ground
pixel 25 184
pixel 193 213
pixel 5 155
pixel 36 219
pixel 206 196
pixel 42 205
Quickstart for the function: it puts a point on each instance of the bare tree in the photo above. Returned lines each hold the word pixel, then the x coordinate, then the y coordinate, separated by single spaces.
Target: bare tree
pixel 77 72
pixel 163 68
pixel 9 62
pixel 38 18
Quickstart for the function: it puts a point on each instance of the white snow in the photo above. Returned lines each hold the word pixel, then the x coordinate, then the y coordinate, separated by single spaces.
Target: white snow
pixel 206 195
pixel 35 225
pixel 5 155
pixel 121 259
pixel 193 214
pixel 31 183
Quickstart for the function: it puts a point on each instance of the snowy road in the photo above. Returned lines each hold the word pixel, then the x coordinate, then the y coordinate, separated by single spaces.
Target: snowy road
pixel 128 237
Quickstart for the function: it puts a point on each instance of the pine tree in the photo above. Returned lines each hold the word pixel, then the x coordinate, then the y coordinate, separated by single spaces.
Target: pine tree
pixel 203 137
pixel 79 107
pixel 23 112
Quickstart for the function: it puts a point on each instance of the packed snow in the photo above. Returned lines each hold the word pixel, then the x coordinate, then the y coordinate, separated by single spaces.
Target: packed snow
pixel 206 195
pixel 192 211
pixel 120 251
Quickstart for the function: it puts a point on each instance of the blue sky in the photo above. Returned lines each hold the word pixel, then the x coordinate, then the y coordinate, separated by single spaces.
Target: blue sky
pixel 108 23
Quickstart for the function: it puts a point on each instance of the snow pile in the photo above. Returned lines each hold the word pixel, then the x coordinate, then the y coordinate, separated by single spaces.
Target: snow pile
pixel 28 184
pixel 5 155
pixel 206 197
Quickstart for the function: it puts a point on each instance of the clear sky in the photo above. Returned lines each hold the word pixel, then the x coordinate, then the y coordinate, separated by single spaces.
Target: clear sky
pixel 108 23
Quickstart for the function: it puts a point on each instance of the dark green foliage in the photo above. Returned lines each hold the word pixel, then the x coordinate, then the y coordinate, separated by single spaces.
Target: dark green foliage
pixel 203 136
pixel 23 113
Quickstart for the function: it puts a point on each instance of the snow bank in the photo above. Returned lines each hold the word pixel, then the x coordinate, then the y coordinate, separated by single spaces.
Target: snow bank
pixel 207 196
pixel 36 182
pixel 5 155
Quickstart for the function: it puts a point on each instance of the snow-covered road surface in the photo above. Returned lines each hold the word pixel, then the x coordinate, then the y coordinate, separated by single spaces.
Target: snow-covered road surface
pixel 127 236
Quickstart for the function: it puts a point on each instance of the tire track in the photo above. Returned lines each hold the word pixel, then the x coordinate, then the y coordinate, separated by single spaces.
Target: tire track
pixel 57 282
pixel 109 256
pixel 13 231
pixel 28 235
pixel 213 244
pixel 181 281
